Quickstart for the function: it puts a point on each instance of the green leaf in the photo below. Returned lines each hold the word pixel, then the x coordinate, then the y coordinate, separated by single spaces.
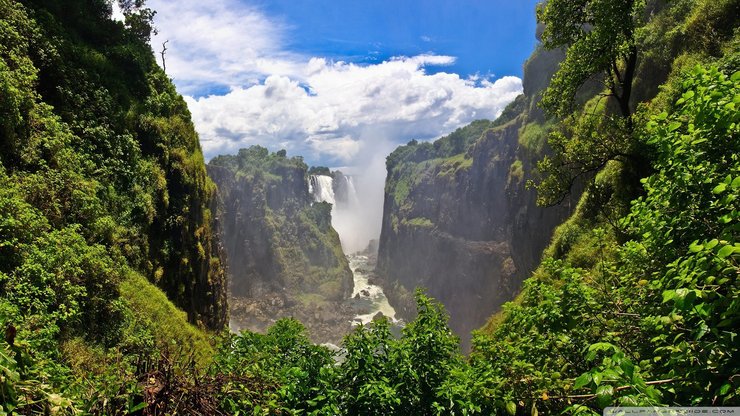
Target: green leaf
pixel 695 247
pixel 604 395
pixel 668 295
pixel 719 188
pixel 725 251
pixel 628 368
pixel 511 408
pixel 583 380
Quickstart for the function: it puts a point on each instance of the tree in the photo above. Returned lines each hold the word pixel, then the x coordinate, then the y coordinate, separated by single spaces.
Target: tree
pixel 139 19
pixel 599 37
pixel 600 44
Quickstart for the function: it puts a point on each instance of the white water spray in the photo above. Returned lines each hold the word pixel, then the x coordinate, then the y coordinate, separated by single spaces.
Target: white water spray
pixel 322 189
pixel 344 212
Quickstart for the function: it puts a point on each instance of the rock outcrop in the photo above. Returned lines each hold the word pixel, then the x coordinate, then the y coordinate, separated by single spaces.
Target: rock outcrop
pixel 279 243
pixel 458 218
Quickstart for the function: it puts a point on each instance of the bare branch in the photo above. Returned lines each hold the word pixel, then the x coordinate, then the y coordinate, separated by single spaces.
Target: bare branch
pixel 164 50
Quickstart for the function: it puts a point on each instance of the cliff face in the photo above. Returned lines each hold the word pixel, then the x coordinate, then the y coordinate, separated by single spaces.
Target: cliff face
pixel 283 256
pixel 458 219
pixel 104 144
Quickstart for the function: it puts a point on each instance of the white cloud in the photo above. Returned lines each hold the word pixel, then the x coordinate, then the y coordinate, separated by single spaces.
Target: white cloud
pixel 223 42
pixel 329 112
pixel 327 117
pixel 332 113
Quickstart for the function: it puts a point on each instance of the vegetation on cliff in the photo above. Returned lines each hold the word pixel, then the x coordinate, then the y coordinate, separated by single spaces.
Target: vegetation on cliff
pixel 103 198
pixel 105 226
pixel 627 306
pixel 279 239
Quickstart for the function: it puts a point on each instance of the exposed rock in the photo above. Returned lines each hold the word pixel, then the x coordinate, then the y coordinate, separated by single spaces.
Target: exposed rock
pixel 458 219
pixel 326 323
pixel 283 256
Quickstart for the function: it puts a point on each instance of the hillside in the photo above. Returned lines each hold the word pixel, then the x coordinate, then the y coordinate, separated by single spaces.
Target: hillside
pixel 105 221
pixel 283 256
pixel 458 218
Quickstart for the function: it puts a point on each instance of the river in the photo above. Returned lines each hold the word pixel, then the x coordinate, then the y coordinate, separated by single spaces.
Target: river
pixel 368 299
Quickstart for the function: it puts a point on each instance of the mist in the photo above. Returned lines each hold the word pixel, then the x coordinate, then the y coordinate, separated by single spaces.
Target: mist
pixel 360 221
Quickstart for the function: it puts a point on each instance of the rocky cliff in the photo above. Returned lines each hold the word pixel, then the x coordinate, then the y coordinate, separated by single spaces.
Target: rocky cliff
pixel 283 256
pixel 458 218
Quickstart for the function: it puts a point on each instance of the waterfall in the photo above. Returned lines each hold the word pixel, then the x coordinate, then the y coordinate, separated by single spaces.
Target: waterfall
pixel 321 187
pixel 367 298
pixel 351 197
pixel 340 191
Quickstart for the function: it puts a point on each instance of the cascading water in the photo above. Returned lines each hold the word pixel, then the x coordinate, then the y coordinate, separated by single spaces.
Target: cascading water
pixel 322 188
pixel 352 200
pixel 368 298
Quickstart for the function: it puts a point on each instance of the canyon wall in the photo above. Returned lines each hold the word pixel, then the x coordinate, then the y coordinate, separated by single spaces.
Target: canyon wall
pixel 458 218
pixel 283 256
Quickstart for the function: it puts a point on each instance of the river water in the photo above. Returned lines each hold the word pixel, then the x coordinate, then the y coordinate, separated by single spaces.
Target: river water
pixel 368 299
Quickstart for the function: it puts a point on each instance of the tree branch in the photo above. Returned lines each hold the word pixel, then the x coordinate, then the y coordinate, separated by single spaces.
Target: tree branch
pixel 620 388
pixel 164 50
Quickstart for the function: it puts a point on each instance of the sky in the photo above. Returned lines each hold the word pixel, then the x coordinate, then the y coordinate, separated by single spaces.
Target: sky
pixel 342 83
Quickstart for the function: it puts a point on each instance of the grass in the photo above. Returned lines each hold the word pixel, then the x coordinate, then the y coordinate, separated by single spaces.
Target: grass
pixel 419 222
pixel 533 136
pixel 516 172
pixel 453 164
pixel 168 324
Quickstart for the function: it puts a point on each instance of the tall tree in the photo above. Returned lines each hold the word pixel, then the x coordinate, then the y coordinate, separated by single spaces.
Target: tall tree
pixel 600 43
pixel 599 37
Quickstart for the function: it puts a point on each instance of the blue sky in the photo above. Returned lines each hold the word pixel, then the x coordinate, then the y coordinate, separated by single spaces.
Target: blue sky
pixel 487 37
pixel 341 83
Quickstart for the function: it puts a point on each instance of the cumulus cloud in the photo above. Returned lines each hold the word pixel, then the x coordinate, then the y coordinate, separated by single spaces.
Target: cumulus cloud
pixel 220 42
pixel 311 106
pixel 334 113
pixel 328 114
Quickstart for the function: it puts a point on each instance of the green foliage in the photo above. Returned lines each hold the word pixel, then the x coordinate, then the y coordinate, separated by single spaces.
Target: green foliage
pixel 376 373
pixel 419 222
pixel 516 172
pixel 284 362
pixel 600 39
pixel 429 352
pixel 319 170
pixel 584 146
pixel 101 178
pixel 153 316
pixel 653 321
pixel 257 160
pixel 533 136
pixel 689 223
pixel 453 144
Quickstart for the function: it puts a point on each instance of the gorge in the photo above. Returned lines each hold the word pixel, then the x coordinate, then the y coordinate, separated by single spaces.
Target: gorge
pixel 283 254
pixel 578 251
